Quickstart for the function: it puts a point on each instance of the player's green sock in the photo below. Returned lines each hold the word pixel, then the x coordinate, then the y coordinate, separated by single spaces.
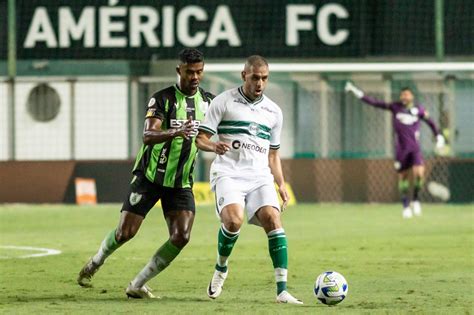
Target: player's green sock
pixel 225 243
pixel 418 186
pixel 403 187
pixel 162 258
pixel 107 247
pixel 278 248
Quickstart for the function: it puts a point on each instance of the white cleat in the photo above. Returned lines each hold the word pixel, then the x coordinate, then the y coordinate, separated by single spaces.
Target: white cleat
pixel 86 273
pixel 407 213
pixel 417 208
pixel 140 293
pixel 217 282
pixel 285 297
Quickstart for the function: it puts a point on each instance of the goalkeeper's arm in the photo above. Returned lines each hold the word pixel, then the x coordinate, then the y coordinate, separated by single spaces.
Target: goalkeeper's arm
pixel 351 88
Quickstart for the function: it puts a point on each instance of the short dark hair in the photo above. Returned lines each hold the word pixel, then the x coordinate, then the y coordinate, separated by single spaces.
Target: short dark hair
pixel 256 60
pixel 406 88
pixel 190 55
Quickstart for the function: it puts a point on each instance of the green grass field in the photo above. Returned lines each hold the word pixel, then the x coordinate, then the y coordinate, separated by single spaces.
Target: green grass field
pixel 393 266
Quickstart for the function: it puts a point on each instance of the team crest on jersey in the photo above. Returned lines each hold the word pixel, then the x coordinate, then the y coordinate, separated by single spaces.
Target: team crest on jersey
pixel 253 129
pixel 151 102
pixel 414 111
pixel 135 198
pixel 221 201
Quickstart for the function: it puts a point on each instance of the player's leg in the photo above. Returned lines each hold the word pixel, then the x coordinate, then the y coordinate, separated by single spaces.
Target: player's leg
pixel 140 199
pixel 263 209
pixel 418 175
pixel 269 218
pixel 230 201
pixel 180 223
pixel 404 189
pixel 232 217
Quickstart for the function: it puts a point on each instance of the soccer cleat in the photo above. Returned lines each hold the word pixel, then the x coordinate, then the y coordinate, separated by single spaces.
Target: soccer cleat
pixel 86 273
pixel 417 208
pixel 407 213
pixel 217 282
pixel 285 297
pixel 140 293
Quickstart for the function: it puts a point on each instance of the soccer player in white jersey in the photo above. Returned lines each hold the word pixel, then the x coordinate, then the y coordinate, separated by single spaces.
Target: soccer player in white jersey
pixel 247 164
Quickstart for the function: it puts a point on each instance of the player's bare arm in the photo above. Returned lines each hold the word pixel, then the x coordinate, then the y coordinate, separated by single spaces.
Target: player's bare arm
pixel 153 133
pixel 204 143
pixel 274 162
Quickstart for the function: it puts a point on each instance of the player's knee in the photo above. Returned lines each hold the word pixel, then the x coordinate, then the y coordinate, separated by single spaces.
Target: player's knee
pixel 180 239
pixel 233 224
pixel 124 235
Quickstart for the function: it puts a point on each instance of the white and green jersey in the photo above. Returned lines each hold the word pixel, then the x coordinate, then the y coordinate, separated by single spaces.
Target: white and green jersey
pixel 251 128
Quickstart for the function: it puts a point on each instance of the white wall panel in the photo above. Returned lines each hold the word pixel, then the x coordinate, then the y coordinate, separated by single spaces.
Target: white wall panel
pixel 101 129
pixel 4 122
pixel 36 140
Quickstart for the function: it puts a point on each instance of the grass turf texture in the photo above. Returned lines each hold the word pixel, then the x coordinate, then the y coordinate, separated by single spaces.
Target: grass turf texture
pixel 424 265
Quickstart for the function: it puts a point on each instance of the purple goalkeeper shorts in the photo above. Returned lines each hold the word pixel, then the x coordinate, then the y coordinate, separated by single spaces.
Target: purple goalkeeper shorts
pixel 407 159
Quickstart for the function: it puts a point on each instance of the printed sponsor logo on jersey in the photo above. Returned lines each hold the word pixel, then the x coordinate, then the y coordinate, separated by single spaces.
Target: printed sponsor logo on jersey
pixel 268 109
pixel 237 145
pixel 163 157
pixel 151 102
pixel 406 119
pixel 178 123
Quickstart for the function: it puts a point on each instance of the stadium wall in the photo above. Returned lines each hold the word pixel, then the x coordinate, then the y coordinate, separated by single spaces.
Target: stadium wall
pixel 321 180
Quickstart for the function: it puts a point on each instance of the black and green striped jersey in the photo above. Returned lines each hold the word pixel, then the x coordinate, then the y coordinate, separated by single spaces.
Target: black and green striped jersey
pixel 171 163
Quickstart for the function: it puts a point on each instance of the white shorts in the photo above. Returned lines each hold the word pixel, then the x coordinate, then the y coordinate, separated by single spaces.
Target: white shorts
pixel 250 194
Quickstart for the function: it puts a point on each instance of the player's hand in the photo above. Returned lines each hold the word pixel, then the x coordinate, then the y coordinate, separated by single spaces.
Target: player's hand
pixel 440 142
pixel 349 87
pixel 221 148
pixel 284 196
pixel 187 130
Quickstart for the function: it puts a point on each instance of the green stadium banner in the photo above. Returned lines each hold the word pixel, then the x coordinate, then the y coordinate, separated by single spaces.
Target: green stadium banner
pixel 150 29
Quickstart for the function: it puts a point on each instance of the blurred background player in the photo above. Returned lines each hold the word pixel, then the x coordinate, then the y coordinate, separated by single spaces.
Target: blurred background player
pixel 408 156
pixel 243 174
pixel 163 170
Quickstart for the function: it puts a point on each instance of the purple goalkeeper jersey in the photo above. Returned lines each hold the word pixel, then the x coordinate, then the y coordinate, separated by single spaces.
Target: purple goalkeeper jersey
pixel 406 123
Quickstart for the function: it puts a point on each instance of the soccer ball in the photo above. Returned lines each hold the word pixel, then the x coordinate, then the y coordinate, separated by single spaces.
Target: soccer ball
pixel 330 288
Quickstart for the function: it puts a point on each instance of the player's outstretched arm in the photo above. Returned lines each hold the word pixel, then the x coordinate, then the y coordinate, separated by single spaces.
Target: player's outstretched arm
pixel 153 134
pixel 351 88
pixel 274 162
pixel 204 143
pixel 440 141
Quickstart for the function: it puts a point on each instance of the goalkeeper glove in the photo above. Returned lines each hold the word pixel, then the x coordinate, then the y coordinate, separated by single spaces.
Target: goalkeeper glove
pixel 440 142
pixel 353 89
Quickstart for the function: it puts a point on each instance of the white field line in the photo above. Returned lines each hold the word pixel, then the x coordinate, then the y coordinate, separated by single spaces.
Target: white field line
pixel 42 251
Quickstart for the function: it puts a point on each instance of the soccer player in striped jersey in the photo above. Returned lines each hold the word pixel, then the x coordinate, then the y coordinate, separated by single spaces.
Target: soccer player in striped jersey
pixel 163 170
pixel 408 157
pixel 243 175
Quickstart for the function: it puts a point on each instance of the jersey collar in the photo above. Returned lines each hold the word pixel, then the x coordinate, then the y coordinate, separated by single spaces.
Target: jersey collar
pixel 254 102
pixel 176 86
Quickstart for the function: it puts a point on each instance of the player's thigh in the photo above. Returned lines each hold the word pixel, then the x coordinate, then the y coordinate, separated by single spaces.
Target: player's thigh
pixel 141 197
pixel 263 197
pixel 419 171
pixel 230 201
pixel 404 174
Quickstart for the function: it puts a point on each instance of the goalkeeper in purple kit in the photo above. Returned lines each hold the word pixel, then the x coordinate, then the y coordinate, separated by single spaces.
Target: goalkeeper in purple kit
pixel 406 117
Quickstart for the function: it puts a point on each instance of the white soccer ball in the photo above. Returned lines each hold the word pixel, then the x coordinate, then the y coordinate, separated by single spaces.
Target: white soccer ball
pixel 331 288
